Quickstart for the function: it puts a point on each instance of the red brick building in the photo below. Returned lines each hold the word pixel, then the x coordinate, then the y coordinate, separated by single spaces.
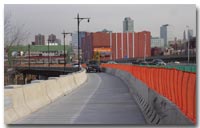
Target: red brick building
pixel 39 39
pixel 114 46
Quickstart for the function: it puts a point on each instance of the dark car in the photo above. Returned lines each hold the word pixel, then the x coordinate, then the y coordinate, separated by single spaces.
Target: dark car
pixel 138 61
pixel 93 65
pixel 157 62
pixel 143 63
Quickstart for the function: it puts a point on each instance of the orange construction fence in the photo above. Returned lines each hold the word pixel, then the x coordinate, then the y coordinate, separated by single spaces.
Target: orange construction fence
pixel 176 85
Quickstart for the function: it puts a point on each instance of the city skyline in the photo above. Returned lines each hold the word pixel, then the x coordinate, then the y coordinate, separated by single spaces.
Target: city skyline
pixel 47 19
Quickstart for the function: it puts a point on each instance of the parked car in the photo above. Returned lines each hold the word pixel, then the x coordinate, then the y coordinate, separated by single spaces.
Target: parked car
pixel 111 62
pixel 138 61
pixel 93 65
pixel 143 63
pixel 75 65
pixel 157 62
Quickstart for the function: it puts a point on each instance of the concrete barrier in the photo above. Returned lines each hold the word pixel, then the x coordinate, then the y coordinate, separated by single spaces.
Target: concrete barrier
pixel 67 83
pixel 80 77
pixel 21 100
pixel 36 81
pixel 155 108
pixel 63 81
pixel 19 103
pixel 36 96
pixel 10 114
pixel 53 89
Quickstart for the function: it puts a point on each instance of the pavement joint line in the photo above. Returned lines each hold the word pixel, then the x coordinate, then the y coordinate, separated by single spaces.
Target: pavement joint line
pixel 85 103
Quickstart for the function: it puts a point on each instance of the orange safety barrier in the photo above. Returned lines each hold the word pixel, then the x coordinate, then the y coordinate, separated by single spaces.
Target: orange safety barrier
pixel 176 85
pixel 191 97
pixel 160 81
pixel 171 85
pixel 184 91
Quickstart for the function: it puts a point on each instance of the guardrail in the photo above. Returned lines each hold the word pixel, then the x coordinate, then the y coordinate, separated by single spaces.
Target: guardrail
pixel 176 85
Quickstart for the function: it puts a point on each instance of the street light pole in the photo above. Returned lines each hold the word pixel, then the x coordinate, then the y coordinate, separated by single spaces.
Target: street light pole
pixel 29 56
pixel 145 47
pixel 78 23
pixel 188 44
pixel 48 54
pixel 65 33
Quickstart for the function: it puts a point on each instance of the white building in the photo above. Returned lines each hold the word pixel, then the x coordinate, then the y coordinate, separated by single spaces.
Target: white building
pixel 157 42
pixel 167 33
pixel 128 25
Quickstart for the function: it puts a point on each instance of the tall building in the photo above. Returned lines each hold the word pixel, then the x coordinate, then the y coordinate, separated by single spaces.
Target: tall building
pixel 112 46
pixel 39 39
pixel 166 32
pixel 184 36
pixel 75 38
pixel 52 38
pixel 128 25
pixel 157 42
pixel 190 34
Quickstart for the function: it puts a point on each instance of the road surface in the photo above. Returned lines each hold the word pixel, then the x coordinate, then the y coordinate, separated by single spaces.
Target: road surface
pixel 102 99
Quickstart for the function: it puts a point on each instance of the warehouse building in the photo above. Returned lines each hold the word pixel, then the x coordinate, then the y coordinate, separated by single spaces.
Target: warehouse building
pixel 113 46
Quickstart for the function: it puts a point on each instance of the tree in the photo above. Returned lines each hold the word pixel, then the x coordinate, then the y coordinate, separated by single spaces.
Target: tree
pixel 13 34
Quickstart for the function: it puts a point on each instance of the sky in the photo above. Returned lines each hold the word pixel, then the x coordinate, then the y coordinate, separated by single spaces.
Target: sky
pixel 47 19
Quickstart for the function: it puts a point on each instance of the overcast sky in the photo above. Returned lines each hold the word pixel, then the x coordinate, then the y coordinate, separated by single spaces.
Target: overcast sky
pixel 47 19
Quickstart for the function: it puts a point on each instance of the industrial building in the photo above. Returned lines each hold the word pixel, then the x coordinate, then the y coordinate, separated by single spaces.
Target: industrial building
pixel 113 46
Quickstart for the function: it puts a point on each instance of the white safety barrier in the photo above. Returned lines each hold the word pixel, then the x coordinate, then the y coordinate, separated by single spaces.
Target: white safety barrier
pixel 21 100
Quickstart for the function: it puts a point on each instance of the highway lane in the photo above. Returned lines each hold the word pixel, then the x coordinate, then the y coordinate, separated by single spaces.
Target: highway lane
pixel 102 99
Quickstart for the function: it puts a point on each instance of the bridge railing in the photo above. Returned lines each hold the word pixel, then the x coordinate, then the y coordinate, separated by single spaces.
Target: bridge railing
pixel 177 85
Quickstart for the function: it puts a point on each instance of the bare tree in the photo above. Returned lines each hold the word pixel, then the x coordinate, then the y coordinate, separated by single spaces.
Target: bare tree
pixel 13 34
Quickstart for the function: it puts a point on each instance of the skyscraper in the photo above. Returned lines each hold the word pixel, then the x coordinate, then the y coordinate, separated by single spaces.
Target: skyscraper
pixel 128 25
pixel 166 32
pixel 39 39
pixel 75 38
pixel 190 34
pixel 52 38
pixel 184 36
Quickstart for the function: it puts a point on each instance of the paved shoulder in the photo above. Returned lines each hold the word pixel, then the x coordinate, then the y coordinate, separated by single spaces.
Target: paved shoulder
pixel 103 99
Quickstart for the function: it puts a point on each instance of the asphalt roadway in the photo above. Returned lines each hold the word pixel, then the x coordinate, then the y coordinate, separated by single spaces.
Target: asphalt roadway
pixel 102 99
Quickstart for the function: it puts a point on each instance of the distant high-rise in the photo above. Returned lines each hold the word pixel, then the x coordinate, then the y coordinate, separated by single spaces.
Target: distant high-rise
pixel 39 39
pixel 157 42
pixel 128 25
pixel 75 38
pixel 166 32
pixel 52 38
pixel 190 34
pixel 184 36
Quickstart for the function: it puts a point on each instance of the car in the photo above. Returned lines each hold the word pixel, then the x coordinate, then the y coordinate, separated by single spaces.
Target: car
pixel 143 63
pixel 111 62
pixel 75 65
pixel 93 65
pixel 138 61
pixel 157 62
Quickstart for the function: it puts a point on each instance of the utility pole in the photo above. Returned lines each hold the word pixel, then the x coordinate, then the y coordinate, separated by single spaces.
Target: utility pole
pixel 65 33
pixel 48 54
pixel 29 57
pixel 188 44
pixel 145 47
pixel 78 23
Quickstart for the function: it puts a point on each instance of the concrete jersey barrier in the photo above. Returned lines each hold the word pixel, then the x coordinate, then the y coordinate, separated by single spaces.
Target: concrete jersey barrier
pixel 20 101
pixel 36 96
pixel 10 114
pixel 53 89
